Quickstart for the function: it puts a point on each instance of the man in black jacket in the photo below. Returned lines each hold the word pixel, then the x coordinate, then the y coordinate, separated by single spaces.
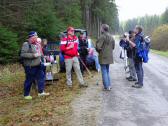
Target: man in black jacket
pixel 125 44
pixel 130 54
pixel 83 49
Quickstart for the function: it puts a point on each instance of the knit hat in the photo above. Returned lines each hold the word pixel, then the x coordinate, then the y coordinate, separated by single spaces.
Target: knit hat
pixel 32 33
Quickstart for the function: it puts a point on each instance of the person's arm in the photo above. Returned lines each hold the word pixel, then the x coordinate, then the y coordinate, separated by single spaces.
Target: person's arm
pixel 70 47
pixel 99 43
pixel 131 43
pixel 64 47
pixel 25 52
pixel 113 42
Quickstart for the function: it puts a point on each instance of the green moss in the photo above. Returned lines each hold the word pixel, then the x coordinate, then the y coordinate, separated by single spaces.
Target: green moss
pixel 162 53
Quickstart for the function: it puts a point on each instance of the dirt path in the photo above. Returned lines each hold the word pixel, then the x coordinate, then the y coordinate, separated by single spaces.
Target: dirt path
pixel 86 108
pixel 124 105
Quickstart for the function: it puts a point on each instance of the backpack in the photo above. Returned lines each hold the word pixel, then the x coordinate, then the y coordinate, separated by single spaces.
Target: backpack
pixel 21 59
pixel 144 48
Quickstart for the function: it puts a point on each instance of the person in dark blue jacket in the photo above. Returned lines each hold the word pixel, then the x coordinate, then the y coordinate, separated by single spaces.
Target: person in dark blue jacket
pixel 125 44
pixel 138 60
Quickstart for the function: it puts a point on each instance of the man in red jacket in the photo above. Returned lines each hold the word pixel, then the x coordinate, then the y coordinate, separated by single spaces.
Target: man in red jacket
pixel 69 48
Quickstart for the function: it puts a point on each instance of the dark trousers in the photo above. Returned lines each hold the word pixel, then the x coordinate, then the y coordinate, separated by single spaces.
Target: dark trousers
pixel 139 71
pixel 34 74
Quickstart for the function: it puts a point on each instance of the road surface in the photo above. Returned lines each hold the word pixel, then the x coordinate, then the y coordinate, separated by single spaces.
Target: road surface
pixel 126 106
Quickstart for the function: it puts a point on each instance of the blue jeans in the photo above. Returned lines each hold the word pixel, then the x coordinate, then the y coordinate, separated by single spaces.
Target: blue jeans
pixel 34 74
pixel 96 60
pixel 140 72
pixel 105 75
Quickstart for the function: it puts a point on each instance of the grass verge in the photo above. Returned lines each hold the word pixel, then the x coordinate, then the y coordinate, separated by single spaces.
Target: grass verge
pixel 162 53
pixel 41 111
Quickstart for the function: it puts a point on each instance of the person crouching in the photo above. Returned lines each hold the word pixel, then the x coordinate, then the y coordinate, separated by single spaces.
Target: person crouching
pixel 32 54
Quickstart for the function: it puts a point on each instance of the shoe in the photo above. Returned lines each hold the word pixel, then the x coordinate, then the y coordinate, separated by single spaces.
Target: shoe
pixel 28 97
pixel 128 77
pixel 137 86
pixel 132 79
pixel 107 89
pixel 136 83
pixel 43 94
pixel 69 86
pixel 83 85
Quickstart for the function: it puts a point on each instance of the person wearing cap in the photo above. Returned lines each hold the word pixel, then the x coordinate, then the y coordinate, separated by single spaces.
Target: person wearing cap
pixel 32 54
pixel 105 46
pixel 69 48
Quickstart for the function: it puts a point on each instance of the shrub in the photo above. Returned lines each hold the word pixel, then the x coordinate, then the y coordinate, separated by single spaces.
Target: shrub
pixel 9 46
pixel 160 38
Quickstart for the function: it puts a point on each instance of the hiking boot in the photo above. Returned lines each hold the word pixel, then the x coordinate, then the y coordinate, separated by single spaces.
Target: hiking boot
pixel 83 85
pixel 43 94
pixel 28 97
pixel 137 86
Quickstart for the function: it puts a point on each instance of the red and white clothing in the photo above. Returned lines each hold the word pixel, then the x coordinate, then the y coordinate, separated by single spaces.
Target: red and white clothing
pixel 67 42
pixel 71 58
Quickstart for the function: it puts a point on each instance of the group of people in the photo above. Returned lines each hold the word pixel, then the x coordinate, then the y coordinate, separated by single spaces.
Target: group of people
pixel 71 48
pixel 33 54
pixel 130 42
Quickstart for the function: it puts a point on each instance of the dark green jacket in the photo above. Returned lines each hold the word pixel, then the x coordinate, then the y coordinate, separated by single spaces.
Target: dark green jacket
pixel 105 46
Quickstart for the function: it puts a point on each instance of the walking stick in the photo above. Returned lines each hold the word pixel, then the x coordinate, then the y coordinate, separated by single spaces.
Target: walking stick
pixel 98 77
pixel 90 74
pixel 126 60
